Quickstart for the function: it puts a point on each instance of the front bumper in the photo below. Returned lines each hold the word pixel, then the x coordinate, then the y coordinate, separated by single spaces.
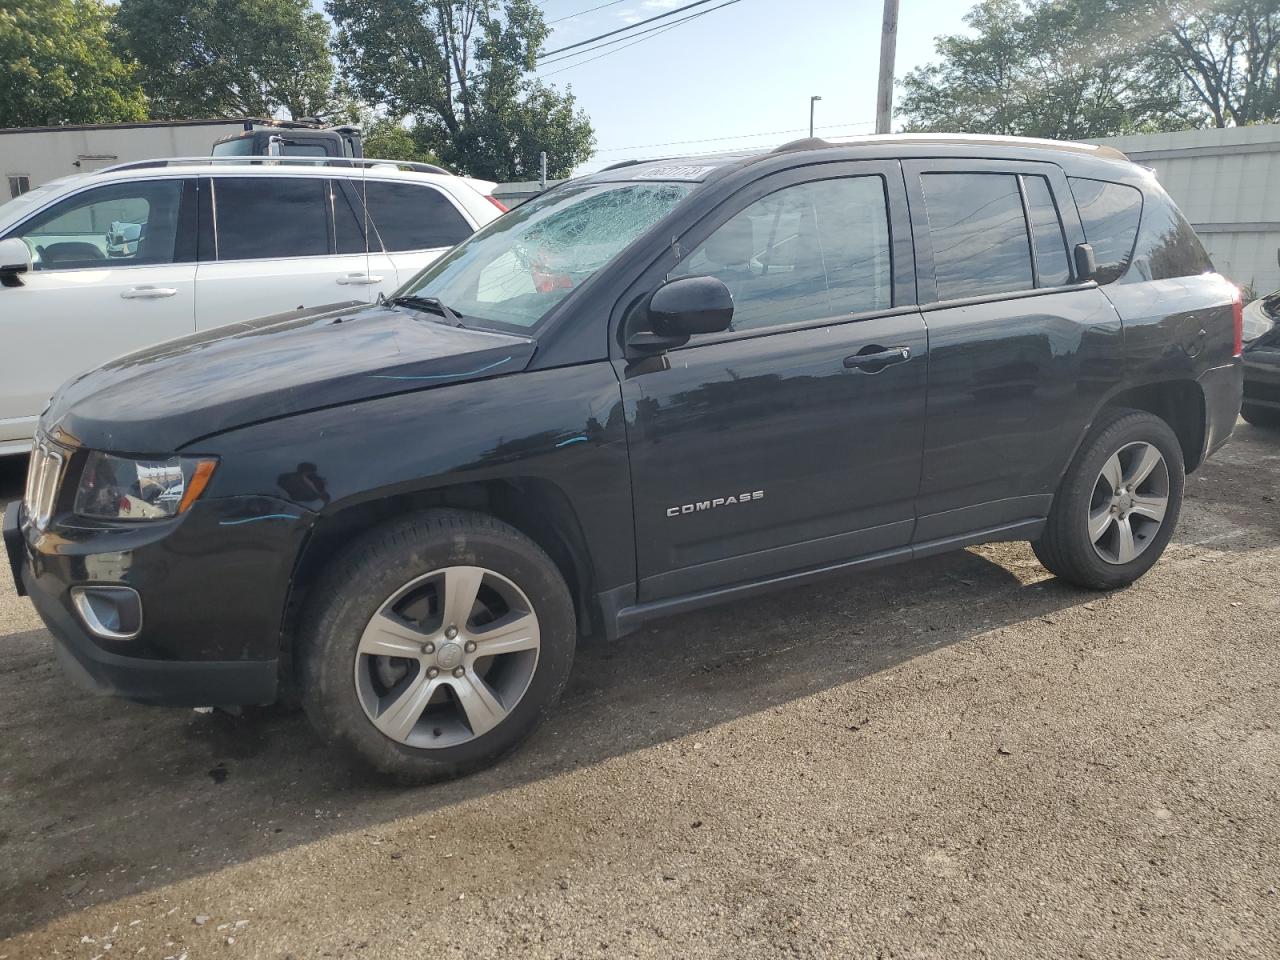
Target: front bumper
pixel 213 585
pixel 1262 376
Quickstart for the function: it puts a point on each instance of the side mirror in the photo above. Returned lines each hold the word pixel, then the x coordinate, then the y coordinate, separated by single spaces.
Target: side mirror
pixel 689 306
pixel 1086 264
pixel 15 258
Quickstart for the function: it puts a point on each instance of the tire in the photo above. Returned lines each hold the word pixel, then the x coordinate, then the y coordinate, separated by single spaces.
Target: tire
pixel 1260 416
pixel 1087 503
pixel 391 592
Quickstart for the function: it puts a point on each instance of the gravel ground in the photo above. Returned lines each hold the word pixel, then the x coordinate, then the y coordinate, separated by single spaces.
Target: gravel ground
pixel 958 758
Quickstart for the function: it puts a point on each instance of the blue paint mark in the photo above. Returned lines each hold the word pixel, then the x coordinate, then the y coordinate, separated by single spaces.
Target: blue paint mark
pixel 267 516
pixel 571 440
pixel 442 376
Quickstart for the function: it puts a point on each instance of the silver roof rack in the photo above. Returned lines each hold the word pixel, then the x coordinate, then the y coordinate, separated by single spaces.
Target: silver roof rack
pixel 365 162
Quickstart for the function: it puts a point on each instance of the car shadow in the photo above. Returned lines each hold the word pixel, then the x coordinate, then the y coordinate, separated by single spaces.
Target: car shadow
pixel 107 799
pixel 13 476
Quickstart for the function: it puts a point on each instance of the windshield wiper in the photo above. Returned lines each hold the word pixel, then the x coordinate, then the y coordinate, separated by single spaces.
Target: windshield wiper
pixel 431 304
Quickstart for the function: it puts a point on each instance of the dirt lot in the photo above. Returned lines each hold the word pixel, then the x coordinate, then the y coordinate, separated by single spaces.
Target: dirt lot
pixel 961 758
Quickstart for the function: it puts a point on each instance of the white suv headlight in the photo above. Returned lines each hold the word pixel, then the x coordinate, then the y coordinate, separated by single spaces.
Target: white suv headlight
pixel 120 488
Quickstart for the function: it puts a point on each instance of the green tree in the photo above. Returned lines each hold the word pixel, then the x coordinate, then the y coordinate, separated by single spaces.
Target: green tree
pixel 1228 53
pixel 225 58
pixel 462 69
pixel 1064 69
pixel 57 66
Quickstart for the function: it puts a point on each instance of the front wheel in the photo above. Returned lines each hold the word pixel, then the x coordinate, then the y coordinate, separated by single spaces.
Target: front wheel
pixel 1118 503
pixel 435 644
pixel 1260 416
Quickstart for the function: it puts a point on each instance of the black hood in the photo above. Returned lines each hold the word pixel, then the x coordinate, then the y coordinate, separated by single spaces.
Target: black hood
pixel 162 398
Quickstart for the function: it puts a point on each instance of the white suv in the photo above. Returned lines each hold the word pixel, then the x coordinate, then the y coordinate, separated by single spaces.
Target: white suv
pixel 101 264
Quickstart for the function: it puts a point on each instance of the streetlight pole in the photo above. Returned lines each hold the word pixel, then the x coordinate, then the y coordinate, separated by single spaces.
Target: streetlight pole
pixel 888 50
pixel 812 101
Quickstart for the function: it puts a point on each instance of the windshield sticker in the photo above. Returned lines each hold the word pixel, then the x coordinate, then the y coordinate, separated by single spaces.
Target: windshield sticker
pixel 683 171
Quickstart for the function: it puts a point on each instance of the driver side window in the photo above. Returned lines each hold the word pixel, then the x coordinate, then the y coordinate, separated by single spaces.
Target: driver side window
pixel 112 225
pixel 812 251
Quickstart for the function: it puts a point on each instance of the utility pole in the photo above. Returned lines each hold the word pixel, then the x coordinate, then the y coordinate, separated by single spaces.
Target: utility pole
pixel 812 101
pixel 888 50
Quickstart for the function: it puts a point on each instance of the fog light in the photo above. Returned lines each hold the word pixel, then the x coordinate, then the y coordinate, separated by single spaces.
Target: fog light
pixel 113 613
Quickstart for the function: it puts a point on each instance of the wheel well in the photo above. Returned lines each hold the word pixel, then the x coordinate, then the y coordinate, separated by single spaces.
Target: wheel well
pixel 537 508
pixel 1179 403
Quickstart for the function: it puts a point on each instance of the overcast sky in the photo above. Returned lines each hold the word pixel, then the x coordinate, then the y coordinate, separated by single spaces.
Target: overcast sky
pixel 747 69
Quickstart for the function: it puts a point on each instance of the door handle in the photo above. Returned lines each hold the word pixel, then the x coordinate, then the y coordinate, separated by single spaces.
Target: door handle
pixel 878 359
pixel 358 280
pixel 148 293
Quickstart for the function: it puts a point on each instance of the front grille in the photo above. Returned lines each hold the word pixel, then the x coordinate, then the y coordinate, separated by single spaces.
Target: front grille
pixel 44 477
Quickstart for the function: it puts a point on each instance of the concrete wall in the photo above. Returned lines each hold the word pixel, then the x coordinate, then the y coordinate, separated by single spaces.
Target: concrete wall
pixel 1227 182
pixel 46 153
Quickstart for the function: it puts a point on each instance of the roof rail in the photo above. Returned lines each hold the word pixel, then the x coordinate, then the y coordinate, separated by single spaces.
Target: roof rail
pixel 962 139
pixel 366 162
pixel 627 163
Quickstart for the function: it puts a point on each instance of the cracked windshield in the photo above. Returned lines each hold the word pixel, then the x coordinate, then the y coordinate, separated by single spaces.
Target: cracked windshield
pixel 528 261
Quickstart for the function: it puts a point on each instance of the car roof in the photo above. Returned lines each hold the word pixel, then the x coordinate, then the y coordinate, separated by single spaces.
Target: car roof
pixel 266 167
pixel 700 168
pixel 372 169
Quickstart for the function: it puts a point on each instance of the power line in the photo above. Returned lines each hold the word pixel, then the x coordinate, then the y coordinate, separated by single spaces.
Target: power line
pixel 611 3
pixel 630 26
pixel 619 50
pixel 652 31
pixel 660 28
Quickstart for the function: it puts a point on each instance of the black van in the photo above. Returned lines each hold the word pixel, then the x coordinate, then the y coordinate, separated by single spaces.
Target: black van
pixel 665 385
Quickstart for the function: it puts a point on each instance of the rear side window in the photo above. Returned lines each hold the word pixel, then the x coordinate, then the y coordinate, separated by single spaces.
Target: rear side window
pixel 349 219
pixel 979 234
pixel 271 217
pixel 812 251
pixel 1167 246
pixel 410 216
pixel 1052 267
pixel 1109 213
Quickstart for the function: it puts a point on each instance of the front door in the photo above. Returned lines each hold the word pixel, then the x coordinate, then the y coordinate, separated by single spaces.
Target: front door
pixel 792 441
pixel 113 272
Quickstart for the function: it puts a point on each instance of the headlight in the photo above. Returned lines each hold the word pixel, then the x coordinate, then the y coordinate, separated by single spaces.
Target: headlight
pixel 118 488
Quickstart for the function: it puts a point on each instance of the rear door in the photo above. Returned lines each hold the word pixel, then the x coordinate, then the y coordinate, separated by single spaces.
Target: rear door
pixel 114 271
pixel 275 248
pixel 1021 355
pixel 793 440
pixel 414 222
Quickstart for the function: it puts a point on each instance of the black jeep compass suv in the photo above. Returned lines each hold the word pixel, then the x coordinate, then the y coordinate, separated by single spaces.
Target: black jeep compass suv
pixel 657 387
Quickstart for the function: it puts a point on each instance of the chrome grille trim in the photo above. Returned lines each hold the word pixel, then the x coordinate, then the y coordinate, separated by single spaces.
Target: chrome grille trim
pixel 44 478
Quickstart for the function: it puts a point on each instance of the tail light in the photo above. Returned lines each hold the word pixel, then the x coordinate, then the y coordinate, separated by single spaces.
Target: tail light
pixel 496 202
pixel 1237 317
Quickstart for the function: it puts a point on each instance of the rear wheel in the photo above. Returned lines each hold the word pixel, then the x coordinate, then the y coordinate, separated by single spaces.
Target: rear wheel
pixel 1260 416
pixel 1118 504
pixel 436 644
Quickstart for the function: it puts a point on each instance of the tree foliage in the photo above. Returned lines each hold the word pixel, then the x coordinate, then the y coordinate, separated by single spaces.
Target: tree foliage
pixel 57 66
pixel 1228 54
pixel 225 58
pixel 1092 68
pixel 462 69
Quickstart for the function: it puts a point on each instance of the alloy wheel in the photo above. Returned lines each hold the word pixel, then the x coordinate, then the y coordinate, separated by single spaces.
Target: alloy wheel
pixel 447 657
pixel 1130 499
